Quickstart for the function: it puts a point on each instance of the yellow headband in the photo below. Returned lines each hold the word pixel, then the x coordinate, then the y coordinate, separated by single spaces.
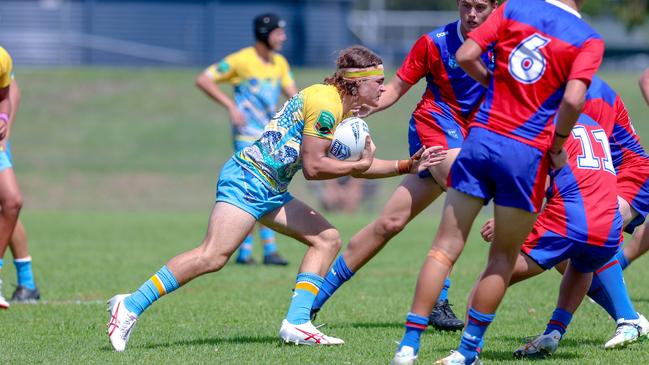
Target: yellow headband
pixel 362 73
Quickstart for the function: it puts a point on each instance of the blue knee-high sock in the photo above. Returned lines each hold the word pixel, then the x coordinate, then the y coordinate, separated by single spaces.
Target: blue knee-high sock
pixel 611 291
pixel 161 283
pixel 415 326
pixel 2 261
pixel 24 272
pixel 336 277
pixel 267 236
pixel 245 251
pixel 307 285
pixel 624 262
pixel 559 321
pixel 472 338
pixel 443 295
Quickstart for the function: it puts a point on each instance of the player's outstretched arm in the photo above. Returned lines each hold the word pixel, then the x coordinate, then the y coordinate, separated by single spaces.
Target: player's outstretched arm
pixel 644 85
pixel 420 161
pixel 468 57
pixel 394 90
pixel 316 165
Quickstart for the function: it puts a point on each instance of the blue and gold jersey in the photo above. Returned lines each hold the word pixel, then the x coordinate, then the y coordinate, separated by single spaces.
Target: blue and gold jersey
pixel 257 87
pixel 275 157
pixel 6 65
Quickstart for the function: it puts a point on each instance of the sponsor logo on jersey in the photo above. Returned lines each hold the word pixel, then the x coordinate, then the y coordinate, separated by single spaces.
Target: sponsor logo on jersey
pixel 325 124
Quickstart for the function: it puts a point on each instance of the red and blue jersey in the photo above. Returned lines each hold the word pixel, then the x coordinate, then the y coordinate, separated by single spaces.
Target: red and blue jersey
pixel 629 157
pixel 539 47
pixel 603 103
pixel 582 197
pixel 451 95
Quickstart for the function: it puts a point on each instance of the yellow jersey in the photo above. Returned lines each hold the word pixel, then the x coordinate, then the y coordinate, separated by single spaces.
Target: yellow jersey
pixel 275 157
pixel 257 87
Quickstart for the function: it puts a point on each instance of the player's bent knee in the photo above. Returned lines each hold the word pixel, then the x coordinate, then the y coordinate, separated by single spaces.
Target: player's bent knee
pixel 390 226
pixel 12 205
pixel 329 240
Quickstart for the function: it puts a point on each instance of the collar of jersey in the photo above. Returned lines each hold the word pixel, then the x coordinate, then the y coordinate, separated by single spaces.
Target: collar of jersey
pixel 564 7
pixel 459 31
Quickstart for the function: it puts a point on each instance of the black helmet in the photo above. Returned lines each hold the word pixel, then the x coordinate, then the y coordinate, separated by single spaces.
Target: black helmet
pixel 264 24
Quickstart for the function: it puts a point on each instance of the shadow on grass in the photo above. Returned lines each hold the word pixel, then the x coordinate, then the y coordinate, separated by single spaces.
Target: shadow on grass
pixel 490 356
pixel 212 341
pixel 367 325
pixel 570 342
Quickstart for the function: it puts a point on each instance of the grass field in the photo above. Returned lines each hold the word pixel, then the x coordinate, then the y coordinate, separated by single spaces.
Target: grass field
pixel 118 170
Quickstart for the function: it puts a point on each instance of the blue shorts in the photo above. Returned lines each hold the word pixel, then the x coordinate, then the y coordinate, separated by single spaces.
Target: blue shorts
pixel 548 249
pixel 430 129
pixel 239 187
pixel 6 161
pixel 492 166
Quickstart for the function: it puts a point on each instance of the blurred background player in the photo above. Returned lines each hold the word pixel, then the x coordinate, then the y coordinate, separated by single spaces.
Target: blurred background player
pixel 259 75
pixel 253 185
pixel 545 58
pixel 26 290
pixel 10 197
pixel 440 118
pixel 345 194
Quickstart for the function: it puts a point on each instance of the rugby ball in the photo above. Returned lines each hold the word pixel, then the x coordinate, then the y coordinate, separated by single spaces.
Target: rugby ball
pixel 349 139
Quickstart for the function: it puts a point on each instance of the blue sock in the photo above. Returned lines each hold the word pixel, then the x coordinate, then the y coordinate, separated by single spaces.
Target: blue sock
pixel 245 251
pixel 611 291
pixel 1 263
pixel 624 262
pixel 267 236
pixel 24 272
pixel 559 321
pixel 415 326
pixel 443 295
pixel 307 285
pixel 336 277
pixel 163 282
pixel 472 338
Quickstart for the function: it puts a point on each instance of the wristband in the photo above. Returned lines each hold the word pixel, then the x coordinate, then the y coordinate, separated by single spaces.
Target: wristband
pixel 561 135
pixel 4 117
pixel 403 166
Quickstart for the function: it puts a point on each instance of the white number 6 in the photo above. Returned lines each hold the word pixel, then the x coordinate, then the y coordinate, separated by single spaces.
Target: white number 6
pixel 526 63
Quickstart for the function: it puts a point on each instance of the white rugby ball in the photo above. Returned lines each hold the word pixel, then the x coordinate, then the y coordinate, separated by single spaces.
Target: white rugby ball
pixel 349 139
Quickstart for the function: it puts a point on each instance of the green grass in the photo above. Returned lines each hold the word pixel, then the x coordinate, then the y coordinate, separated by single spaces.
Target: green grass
pixel 118 168
pixel 233 316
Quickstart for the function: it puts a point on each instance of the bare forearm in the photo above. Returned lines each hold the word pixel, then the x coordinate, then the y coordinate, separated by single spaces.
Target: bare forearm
pixel 644 85
pixel 213 91
pixel 569 110
pixel 380 169
pixel 331 168
pixel 14 99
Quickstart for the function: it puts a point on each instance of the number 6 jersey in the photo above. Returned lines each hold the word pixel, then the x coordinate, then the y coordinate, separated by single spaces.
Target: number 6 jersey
pixel 539 46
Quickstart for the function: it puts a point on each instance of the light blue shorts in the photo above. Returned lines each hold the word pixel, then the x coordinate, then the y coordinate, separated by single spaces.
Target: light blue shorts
pixel 6 161
pixel 239 187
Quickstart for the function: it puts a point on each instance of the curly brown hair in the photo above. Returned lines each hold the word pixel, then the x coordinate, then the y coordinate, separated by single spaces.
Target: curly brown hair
pixel 352 57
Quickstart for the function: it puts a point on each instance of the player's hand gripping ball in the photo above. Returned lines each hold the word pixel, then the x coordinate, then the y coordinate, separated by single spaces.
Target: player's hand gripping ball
pixel 349 139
